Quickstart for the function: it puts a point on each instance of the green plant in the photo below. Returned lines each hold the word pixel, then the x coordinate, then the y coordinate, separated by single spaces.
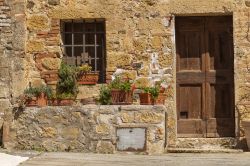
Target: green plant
pixel 117 83
pixel 46 90
pixel 37 91
pixel 154 91
pixel 52 96
pixel 125 86
pixel 105 96
pixel 65 96
pixel 67 84
pixel 84 68
pixel 32 92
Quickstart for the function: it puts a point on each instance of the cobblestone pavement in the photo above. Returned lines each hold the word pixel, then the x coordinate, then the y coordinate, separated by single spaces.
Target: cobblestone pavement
pixel 80 159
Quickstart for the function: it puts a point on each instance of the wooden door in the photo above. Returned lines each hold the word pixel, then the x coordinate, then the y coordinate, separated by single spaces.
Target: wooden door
pixel 204 76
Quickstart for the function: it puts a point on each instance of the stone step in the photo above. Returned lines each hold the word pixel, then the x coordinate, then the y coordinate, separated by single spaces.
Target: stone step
pixel 207 143
pixel 192 150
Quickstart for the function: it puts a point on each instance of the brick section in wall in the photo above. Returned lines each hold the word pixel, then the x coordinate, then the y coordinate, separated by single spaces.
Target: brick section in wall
pixel 47 62
pixel 5 20
pixel 51 37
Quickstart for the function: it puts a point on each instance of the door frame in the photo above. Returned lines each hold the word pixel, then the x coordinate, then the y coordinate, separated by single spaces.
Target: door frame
pixel 237 126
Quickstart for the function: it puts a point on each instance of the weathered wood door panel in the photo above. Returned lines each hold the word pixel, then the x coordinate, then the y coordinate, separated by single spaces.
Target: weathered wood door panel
pixel 204 76
pixel 190 77
pixel 219 77
pixel 191 111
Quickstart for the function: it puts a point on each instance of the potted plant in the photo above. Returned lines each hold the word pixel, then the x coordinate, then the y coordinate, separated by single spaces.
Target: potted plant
pixel 66 88
pixel 31 94
pixel 85 76
pixel 61 100
pixel 121 91
pixel 44 93
pixel 149 95
pixel 37 96
pixel 105 96
pixel 160 100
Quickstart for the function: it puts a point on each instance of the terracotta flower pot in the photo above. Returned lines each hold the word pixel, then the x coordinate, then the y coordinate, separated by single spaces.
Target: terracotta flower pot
pixel 31 102
pixel 145 99
pixel 120 97
pixel 246 126
pixel 65 102
pixel 88 78
pixel 53 102
pixel 42 100
pixel 61 102
pixel 160 99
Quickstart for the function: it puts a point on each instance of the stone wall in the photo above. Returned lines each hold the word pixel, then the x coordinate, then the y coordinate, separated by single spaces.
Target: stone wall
pixel 12 53
pixel 242 61
pixel 5 47
pixel 86 128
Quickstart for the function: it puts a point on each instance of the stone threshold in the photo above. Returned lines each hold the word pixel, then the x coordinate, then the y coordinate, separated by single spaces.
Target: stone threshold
pixel 207 143
pixel 190 150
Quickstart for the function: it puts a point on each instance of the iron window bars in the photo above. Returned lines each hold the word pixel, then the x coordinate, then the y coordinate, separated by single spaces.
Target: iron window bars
pixel 85 38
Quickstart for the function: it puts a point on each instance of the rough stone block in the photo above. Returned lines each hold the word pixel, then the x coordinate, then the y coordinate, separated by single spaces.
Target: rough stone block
pixel 54 2
pixel 118 60
pixel 4 91
pixel 20 32
pixel 35 46
pixel 51 63
pixel 148 117
pixel 247 2
pixel 105 147
pixel 143 82
pixel 38 22
pixel 49 132
pixel 102 129
pixel 4 105
pixel 127 117
pixel 70 133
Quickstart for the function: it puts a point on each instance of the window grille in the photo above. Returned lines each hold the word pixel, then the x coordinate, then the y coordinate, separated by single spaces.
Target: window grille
pixel 84 42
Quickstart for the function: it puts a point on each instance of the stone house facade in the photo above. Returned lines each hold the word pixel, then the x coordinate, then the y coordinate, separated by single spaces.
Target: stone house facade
pixel 34 42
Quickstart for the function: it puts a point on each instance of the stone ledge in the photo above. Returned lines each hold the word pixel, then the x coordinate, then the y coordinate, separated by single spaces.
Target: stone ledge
pixel 87 128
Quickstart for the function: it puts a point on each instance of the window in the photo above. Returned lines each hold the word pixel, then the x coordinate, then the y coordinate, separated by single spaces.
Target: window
pixel 84 42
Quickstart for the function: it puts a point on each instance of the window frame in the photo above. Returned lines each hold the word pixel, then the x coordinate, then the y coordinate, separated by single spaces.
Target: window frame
pixel 101 30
